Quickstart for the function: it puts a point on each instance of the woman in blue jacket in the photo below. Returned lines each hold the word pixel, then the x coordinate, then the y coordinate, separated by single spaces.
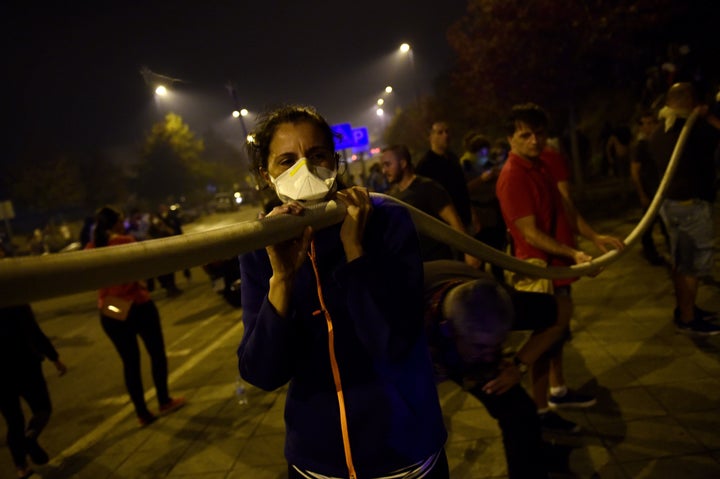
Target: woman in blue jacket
pixel 338 314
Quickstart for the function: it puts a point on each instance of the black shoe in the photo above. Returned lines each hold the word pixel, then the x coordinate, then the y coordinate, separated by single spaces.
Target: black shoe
pixel 36 453
pixel 552 422
pixel 705 315
pixel 699 313
pixel 654 259
pixel 697 327
pixel 174 292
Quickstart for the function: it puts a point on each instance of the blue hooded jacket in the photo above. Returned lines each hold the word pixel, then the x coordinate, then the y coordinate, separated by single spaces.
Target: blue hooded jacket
pixel 376 305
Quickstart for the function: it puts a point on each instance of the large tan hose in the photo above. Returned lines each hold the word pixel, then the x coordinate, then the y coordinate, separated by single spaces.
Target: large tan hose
pixel 28 279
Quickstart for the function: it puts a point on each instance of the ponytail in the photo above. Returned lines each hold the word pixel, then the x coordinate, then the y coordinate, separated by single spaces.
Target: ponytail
pixel 105 219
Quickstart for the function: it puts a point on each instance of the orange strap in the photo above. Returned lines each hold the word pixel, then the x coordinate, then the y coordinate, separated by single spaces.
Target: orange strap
pixel 334 365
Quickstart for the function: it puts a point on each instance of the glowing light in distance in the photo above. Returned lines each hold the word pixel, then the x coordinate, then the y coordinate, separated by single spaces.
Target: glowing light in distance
pixel 380 101
pixel 388 89
pixel 404 48
pixel 379 112
pixel 161 90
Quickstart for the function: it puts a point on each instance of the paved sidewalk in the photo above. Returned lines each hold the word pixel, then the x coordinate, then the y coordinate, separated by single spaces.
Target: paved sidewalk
pixel 658 411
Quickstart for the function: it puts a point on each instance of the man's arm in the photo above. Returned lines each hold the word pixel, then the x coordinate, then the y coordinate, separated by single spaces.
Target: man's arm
pixel 450 215
pixel 635 167
pixel 581 226
pixel 536 238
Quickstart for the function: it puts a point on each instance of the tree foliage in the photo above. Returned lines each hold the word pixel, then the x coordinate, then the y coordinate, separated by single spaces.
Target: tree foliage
pixel 229 166
pixel 554 53
pixel 170 166
pixel 48 181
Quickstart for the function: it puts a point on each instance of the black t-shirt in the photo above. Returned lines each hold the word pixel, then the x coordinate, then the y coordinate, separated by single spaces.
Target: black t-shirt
pixel 429 197
pixel 446 170
pixel 648 171
pixel 695 173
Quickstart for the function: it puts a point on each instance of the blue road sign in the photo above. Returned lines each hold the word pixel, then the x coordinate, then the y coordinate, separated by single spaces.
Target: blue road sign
pixel 360 136
pixel 345 131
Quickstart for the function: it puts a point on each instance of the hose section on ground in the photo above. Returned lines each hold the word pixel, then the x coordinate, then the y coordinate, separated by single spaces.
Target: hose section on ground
pixel 34 278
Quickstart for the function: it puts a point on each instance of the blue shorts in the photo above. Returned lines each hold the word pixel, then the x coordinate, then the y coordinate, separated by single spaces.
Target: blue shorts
pixel 690 229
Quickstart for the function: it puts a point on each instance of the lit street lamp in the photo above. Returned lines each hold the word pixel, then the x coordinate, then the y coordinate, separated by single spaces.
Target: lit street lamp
pixel 406 50
pixel 241 114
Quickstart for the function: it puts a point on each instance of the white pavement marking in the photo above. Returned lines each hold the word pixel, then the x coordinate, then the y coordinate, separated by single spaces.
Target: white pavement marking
pixel 179 352
pixel 107 425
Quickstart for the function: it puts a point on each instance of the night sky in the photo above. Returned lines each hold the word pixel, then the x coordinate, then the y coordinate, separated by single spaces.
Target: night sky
pixel 74 76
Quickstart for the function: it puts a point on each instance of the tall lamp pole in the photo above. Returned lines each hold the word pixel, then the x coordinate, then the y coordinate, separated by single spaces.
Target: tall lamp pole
pixel 407 50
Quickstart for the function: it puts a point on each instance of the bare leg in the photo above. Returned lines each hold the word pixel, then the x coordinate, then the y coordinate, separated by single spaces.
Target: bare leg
pixel 565 312
pixel 686 289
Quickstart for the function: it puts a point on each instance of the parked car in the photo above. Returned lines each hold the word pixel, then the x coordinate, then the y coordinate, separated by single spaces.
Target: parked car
pixel 228 201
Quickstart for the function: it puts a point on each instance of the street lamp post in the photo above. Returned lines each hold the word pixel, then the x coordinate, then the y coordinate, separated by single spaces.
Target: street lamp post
pixel 241 114
pixel 407 50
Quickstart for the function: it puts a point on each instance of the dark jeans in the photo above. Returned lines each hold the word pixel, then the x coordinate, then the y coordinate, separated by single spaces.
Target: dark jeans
pixel 167 281
pixel 143 321
pixel 648 244
pixel 26 382
pixel 519 422
pixel 439 471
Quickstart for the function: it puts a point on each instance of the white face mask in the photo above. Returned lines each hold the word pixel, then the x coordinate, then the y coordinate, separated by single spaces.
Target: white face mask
pixel 304 183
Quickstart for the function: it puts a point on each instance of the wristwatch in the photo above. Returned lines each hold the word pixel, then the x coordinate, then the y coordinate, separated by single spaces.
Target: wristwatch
pixel 522 367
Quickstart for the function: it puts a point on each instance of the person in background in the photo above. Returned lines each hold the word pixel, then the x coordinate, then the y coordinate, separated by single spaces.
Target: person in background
pixel 543 224
pixel 687 207
pixel 481 187
pixel 376 180
pixel 424 194
pixel 141 319
pixel 162 225
pixel 442 165
pixel 23 347
pixel 338 314
pixel 468 315
pixel 644 176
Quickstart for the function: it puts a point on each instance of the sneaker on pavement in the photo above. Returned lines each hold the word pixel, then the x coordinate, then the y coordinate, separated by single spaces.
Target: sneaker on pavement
pixel 146 419
pixel 24 472
pixel 571 399
pixel 552 422
pixel 37 454
pixel 705 315
pixel 699 313
pixel 697 327
pixel 172 405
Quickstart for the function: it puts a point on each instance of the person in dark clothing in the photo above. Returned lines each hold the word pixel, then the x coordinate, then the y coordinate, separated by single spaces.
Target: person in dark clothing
pixel 164 224
pixel 687 207
pixel 645 177
pixel 443 166
pixel 425 194
pixel 86 231
pixel 468 315
pixel 337 314
pixel 141 319
pixel 23 346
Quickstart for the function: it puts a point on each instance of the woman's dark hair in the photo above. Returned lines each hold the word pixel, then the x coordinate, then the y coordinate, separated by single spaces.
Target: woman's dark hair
pixel 105 219
pixel 259 147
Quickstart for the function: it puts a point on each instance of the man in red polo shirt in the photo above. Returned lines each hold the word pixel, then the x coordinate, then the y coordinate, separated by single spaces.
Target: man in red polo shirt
pixel 543 225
